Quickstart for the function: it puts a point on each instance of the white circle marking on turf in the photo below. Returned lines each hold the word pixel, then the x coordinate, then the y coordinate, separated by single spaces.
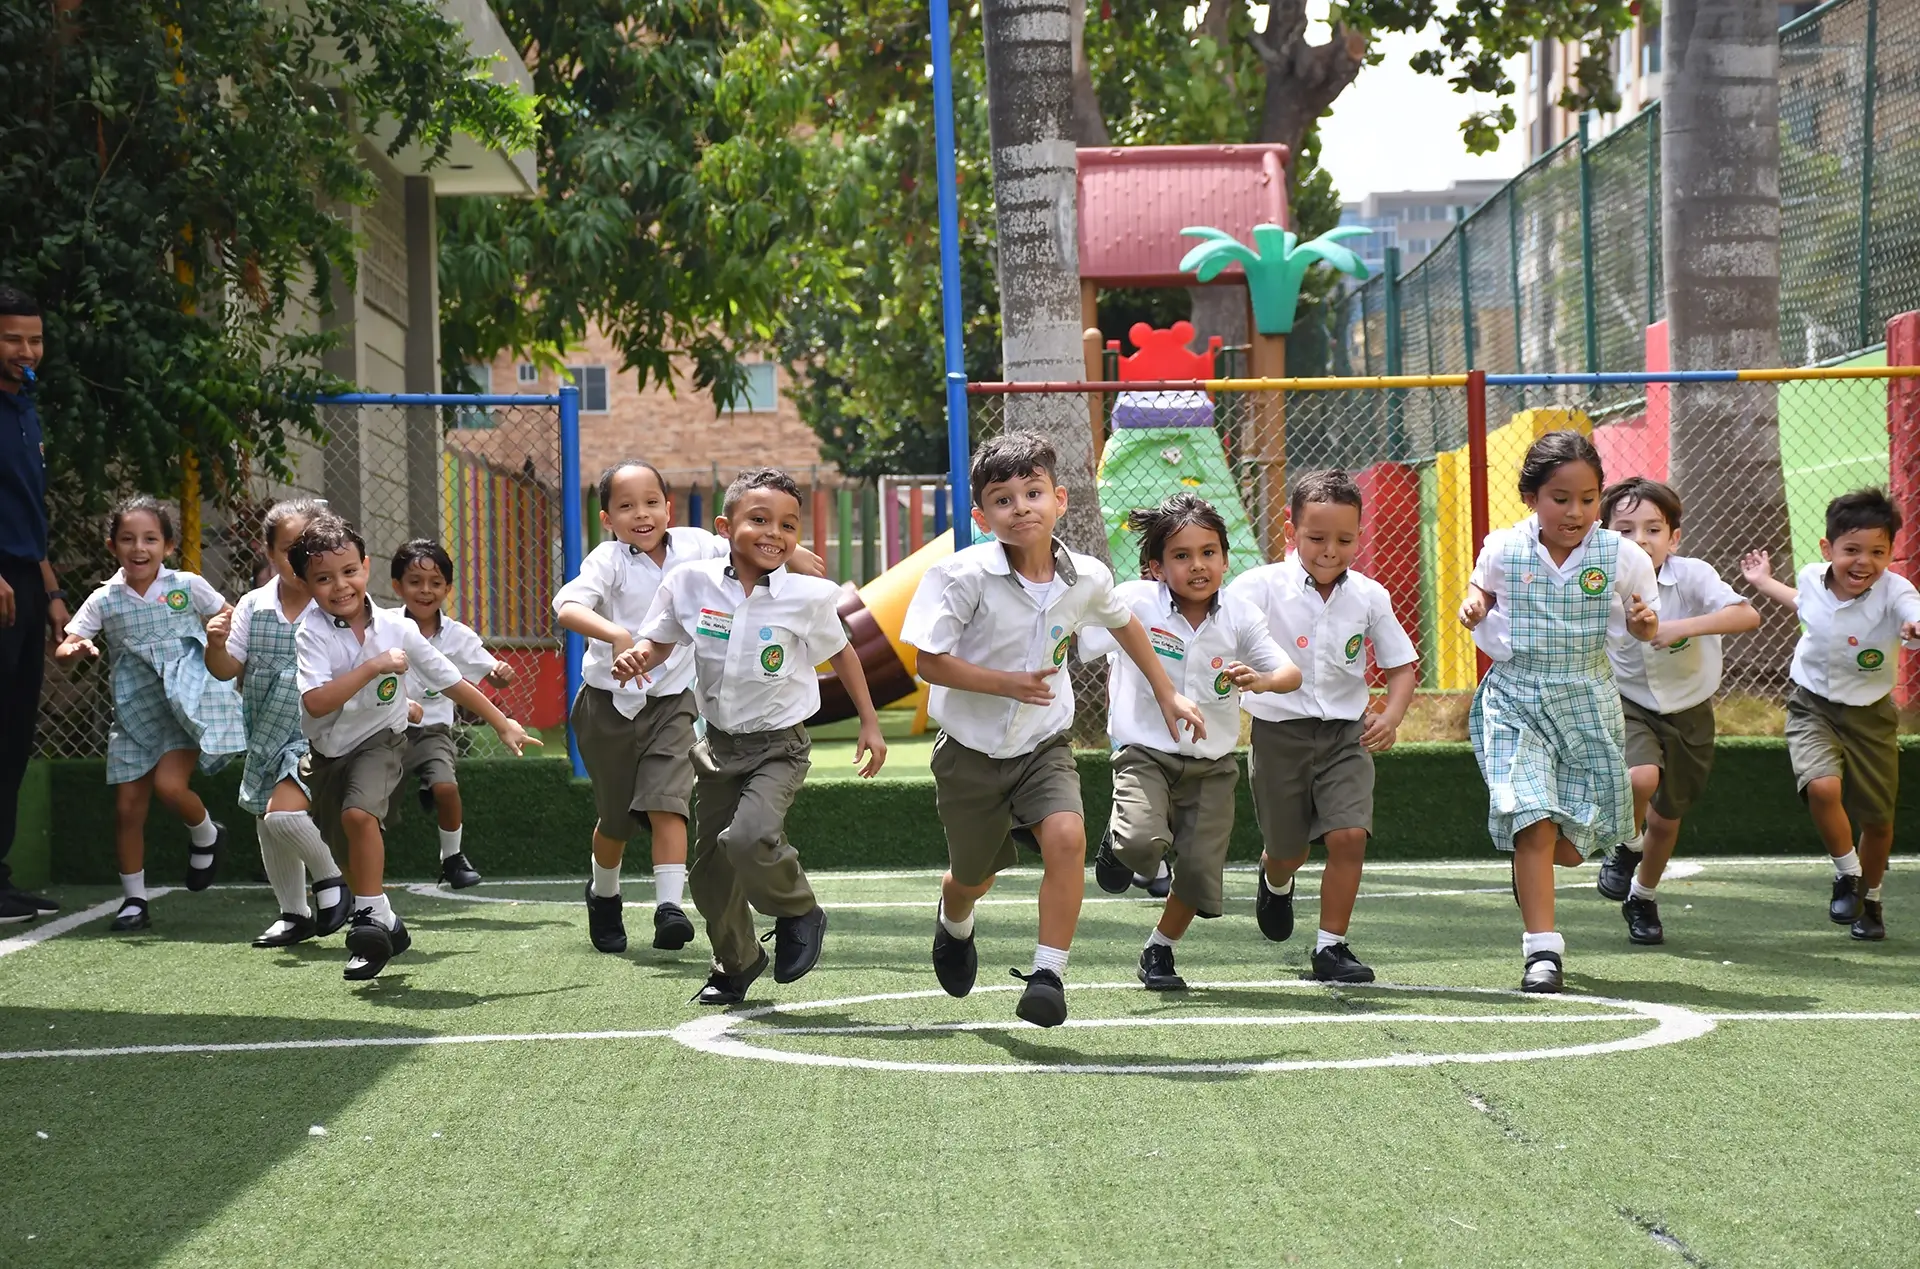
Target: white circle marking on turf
pixel 1674 1024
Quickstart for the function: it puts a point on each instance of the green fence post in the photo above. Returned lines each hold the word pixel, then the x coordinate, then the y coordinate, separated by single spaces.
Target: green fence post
pixel 1513 272
pixel 1466 291
pixel 1589 304
pixel 1866 176
pixel 869 533
pixel 1396 398
pixel 843 517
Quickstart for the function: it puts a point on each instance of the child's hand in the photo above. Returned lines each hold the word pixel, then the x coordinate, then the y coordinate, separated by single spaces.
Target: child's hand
pixel 1643 623
pixel 621 644
pixel 1377 735
pixel 501 675
pixel 1177 709
pixel 1756 567
pixel 1030 687
pixel 415 711
pixel 392 661
pixel 633 664
pixel 75 648
pixel 1910 632
pixel 1473 609
pixel 515 737
pixel 871 746
pixel 1244 677
pixel 219 626
pixel 1669 633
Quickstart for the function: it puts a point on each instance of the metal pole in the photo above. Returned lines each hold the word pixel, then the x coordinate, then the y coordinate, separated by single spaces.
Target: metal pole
pixel 1466 293
pixel 1513 270
pixel 570 548
pixel 1866 175
pixel 1653 207
pixel 1477 474
pixel 1396 399
pixel 1589 304
pixel 959 447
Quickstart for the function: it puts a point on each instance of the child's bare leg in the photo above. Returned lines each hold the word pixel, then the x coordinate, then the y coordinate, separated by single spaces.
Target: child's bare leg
pixel 1656 847
pixel 1175 917
pixel 956 900
pixel 1876 846
pixel 170 776
pixel 669 838
pixel 1645 780
pixel 1565 853
pixel 366 851
pixel 608 853
pixel 1340 884
pixel 1830 815
pixel 446 806
pixel 1063 854
pixel 1533 851
pixel 1279 872
pixel 130 801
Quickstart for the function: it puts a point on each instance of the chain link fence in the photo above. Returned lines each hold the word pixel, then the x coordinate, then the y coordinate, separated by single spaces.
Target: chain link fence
pixel 484 480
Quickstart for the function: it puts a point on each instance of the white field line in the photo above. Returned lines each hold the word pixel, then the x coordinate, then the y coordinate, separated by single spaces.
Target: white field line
pixel 72 921
pixel 342 1042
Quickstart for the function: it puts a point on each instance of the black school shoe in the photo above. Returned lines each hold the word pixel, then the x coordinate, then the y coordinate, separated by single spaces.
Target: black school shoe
pixel 15 909
pixel 1542 974
pixel 132 916
pixel 671 928
pixel 1044 1002
pixel 200 878
pixel 39 903
pixel 1273 911
pixel 370 945
pixel 458 871
pixel 1869 926
pixel 796 943
pixel 1643 922
pixel 606 925
pixel 956 963
pixel 1338 964
pixel 286 930
pixel 1848 892
pixel 1113 876
pixel 1160 885
pixel 329 917
pixel 729 989
pixel 1156 969
pixel 1616 873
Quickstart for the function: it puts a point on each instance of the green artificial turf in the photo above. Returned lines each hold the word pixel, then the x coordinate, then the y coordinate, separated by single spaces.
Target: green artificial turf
pixel 1780 1141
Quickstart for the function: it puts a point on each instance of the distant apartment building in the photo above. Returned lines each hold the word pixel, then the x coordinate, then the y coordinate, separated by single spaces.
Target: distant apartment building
pixel 1413 220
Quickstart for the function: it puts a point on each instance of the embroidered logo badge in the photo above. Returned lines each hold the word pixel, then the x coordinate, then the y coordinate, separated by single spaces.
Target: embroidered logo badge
pixel 772 657
pixel 1218 662
pixel 177 600
pixel 1871 658
pixel 1353 647
pixel 1593 580
pixel 1060 649
pixel 1677 644
pixel 388 687
pixel 1222 684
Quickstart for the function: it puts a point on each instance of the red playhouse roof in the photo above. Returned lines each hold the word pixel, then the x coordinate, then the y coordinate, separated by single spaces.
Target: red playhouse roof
pixel 1135 200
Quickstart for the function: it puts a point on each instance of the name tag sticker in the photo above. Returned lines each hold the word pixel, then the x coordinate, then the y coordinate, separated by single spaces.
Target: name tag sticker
pixel 1167 644
pixel 715 625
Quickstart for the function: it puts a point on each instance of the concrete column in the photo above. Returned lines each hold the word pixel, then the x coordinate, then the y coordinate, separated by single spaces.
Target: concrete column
pixel 423 358
pixel 340 484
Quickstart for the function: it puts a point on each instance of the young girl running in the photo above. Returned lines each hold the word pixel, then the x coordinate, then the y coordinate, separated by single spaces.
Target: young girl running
pixel 168 712
pixel 255 644
pixel 1546 725
pixel 1177 795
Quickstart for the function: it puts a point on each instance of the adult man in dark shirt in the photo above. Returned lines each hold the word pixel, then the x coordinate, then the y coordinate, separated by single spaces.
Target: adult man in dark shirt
pixel 30 597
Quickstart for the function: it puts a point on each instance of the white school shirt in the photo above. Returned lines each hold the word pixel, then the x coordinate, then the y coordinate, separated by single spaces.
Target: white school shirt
pixel 1632 575
pixel 459 643
pixel 172 587
pixel 240 632
pixel 753 655
pixel 1324 637
pixel 1847 649
pixel 1680 676
pixel 1196 661
pixel 974 606
pixel 619 582
pixel 327 648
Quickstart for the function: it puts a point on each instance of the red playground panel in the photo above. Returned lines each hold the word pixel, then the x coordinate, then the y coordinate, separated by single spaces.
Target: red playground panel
pixel 1390 539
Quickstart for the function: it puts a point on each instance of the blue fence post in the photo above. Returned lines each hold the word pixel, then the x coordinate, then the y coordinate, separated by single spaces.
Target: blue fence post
pixel 959 448
pixel 570 547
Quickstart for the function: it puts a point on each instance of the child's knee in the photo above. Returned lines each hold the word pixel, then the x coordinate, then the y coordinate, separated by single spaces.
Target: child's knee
pixel 1824 791
pixel 354 820
pixel 1062 836
pixel 448 792
pixel 1645 781
pixel 1347 843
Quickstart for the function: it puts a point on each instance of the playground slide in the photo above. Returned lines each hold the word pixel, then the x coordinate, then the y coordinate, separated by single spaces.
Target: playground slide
pixel 874 614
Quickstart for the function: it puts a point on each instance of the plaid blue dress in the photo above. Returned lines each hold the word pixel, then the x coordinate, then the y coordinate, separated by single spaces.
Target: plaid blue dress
pixel 271 701
pixel 1546 726
pixel 163 697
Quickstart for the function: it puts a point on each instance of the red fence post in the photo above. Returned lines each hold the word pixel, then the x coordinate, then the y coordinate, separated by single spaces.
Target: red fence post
pixel 1903 468
pixel 1477 474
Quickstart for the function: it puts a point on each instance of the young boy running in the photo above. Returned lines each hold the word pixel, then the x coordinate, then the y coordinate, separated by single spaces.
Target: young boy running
pixel 1666 692
pixel 422 576
pixel 757 631
pixel 1311 763
pixel 993 624
pixel 1842 731
pixel 351 659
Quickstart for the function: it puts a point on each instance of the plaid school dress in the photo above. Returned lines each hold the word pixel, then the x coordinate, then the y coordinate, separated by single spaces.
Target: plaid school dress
pixel 271 700
pixel 1546 725
pixel 163 697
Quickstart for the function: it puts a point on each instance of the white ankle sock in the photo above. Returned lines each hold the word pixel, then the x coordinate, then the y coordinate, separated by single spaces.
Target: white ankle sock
pixel 203 834
pixel 450 841
pixel 1548 942
pixel 1874 894
pixel 1053 958
pixel 1638 891
pixel 1326 939
pixel 606 881
pixel 1273 889
pixel 1847 865
pixel 382 910
pixel 134 884
pixel 285 873
pixel 1157 939
pixel 669 883
pixel 962 929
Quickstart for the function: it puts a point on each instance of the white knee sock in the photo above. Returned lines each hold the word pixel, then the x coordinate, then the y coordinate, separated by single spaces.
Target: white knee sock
pixel 1548 942
pixel 1847 865
pixel 1053 958
pixel 298 830
pixel 669 883
pixel 450 841
pixel 959 929
pixel 606 881
pixel 285 873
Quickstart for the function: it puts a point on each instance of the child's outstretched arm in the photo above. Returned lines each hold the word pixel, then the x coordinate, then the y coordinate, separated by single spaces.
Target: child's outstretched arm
pixel 474 701
pixel 330 696
pixel 221 663
pixel 1733 619
pixel 1286 678
pixel 589 624
pixel 1757 568
pixel 872 747
pixel 805 561
pixel 1380 731
pixel 75 647
pixel 1475 607
pixel 944 669
pixel 638 659
pixel 1174 708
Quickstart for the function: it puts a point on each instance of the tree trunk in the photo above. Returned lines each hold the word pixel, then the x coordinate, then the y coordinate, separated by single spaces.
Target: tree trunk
pixel 1089 125
pixel 1029 48
pixel 1720 223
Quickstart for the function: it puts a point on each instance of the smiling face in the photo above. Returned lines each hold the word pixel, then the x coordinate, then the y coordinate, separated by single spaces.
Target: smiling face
pixel 338 580
pixel 763 528
pixel 141 546
pixel 22 344
pixel 1325 537
pixel 422 588
pixel 1021 511
pixel 1646 526
pixel 1191 563
pixel 638 510
pixel 1567 503
pixel 1858 559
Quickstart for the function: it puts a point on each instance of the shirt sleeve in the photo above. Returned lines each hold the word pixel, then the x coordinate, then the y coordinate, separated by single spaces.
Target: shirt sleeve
pixel 425 662
pixel 1812 577
pixel 1105 607
pixel 943 604
pixel 1391 646
pixel 206 600
pixel 86 620
pixel 1254 643
pixel 1097 642
pixel 591 588
pixel 1489 574
pixel 240 633
pixel 1635 576
pixel 468 654
pixel 826 634
pixel 1906 608
pixel 313 668
pixel 1711 592
pixel 663 623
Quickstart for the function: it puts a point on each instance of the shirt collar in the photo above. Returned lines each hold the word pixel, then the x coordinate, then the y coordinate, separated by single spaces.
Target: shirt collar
pixel 997 562
pixel 346 623
pixel 1171 607
pixel 773 581
pixel 1301 577
pixel 160 578
pixel 1666 576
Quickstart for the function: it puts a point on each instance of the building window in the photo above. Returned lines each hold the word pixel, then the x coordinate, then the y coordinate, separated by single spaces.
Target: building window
pixel 761 395
pixel 527 373
pixel 592 382
pixel 479 379
pixel 1650 50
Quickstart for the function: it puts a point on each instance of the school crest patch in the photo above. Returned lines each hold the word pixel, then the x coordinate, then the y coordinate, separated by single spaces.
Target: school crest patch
pixel 772 657
pixel 1353 647
pixel 177 600
pixel 1222 684
pixel 1677 644
pixel 1060 650
pixel 389 686
pixel 1593 581
pixel 1871 658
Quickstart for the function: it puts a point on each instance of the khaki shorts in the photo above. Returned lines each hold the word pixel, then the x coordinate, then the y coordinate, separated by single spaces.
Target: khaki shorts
pixel 1858 744
pixel 430 753
pixel 1680 744
pixel 985 803
pixel 1165 802
pixel 637 764
pixel 1310 777
pixel 363 779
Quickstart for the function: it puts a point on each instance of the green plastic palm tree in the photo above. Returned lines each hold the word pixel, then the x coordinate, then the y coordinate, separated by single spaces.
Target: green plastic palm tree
pixel 1275 266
